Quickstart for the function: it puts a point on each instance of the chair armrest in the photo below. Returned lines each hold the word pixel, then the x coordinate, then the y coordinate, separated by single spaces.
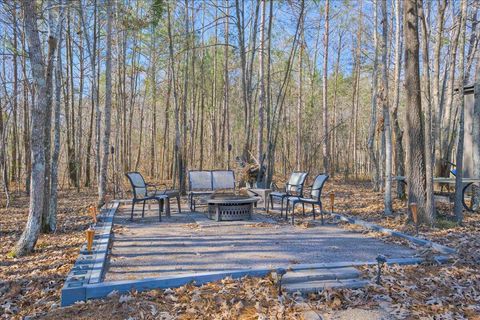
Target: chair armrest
pixel 274 186
pixel 151 185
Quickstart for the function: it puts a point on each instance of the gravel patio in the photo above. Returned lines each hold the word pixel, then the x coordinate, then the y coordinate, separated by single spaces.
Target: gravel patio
pixel 191 243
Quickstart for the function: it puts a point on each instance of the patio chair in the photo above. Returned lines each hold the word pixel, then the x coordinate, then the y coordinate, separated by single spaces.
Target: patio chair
pixel 142 194
pixel 294 187
pixel 315 197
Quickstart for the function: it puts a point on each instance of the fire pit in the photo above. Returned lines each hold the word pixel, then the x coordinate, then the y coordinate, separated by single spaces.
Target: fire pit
pixel 230 207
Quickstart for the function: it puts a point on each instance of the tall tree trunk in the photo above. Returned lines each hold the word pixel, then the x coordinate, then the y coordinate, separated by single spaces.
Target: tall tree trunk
pixel 386 114
pixel 399 152
pixel 458 207
pixel 298 136
pixel 15 154
pixel 476 134
pixel 52 214
pixel 29 237
pixel 325 140
pixel 373 110
pixel 414 119
pixel 153 66
pixel 437 120
pixel 261 100
pixel 178 148
pixel 52 44
pixel 102 184
pixel 430 204
pixel 226 97
pixel 92 53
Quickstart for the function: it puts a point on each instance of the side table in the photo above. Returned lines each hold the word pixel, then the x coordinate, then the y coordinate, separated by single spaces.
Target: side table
pixel 263 194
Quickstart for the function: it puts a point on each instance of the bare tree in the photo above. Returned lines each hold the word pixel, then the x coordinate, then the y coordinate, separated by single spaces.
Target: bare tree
pixel 415 131
pixel 325 144
pixel 261 99
pixel 29 237
pixel 399 152
pixel 458 208
pixel 102 184
pixel 429 158
pixel 373 110
pixel 386 114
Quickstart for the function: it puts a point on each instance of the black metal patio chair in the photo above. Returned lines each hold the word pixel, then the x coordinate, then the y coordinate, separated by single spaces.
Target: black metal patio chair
pixel 142 194
pixel 315 197
pixel 294 187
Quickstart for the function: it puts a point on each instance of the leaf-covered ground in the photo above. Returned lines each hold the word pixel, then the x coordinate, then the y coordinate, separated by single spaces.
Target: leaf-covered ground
pixel 31 285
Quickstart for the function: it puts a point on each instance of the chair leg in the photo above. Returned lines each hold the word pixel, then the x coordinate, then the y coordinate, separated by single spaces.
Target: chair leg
pixel 303 208
pixel 293 213
pixel 166 203
pixel 133 207
pixel 313 210
pixel 160 206
pixel 321 212
pixel 286 209
pixel 178 203
pixel 143 209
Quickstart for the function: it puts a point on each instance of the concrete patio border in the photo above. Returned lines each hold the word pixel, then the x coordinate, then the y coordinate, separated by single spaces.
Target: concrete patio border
pixel 90 266
pixel 422 242
pixel 85 280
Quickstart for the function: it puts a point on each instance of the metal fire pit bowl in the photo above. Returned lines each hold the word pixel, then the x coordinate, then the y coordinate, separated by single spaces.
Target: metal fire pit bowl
pixel 228 207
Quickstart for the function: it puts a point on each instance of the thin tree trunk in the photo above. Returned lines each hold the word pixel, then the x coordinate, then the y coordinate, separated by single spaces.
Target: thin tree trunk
pixel 399 152
pixel 437 121
pixel 430 204
pixel 373 110
pixel 325 143
pixel 261 100
pixel 52 214
pixel 102 184
pixel 52 44
pixel 458 207
pixel 178 148
pixel 386 114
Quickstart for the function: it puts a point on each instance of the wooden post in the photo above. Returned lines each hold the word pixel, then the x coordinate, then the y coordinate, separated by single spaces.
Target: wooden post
pixel 413 207
pixel 93 212
pixel 332 200
pixel 90 233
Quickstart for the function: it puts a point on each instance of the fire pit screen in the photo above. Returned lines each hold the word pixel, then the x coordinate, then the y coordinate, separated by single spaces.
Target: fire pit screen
pixel 228 207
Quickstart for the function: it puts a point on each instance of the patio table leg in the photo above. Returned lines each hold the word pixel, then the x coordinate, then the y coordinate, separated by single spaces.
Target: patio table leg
pixel 217 210
pixel 167 207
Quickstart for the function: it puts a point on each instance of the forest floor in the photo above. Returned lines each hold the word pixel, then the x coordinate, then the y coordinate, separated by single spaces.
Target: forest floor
pixel 30 286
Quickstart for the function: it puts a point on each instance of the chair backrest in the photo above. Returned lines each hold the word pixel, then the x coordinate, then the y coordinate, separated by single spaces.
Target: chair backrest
pixel 199 180
pixel 318 186
pixel 296 182
pixel 139 187
pixel 223 179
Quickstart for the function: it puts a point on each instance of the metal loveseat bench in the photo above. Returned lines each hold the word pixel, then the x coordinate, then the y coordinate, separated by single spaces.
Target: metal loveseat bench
pixel 207 182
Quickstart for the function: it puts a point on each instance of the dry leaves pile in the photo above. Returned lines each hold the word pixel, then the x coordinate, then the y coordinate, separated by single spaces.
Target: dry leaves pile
pixel 31 285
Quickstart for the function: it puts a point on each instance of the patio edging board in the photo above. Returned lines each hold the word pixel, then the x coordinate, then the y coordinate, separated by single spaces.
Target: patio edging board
pixel 89 266
pixel 101 290
pixel 422 242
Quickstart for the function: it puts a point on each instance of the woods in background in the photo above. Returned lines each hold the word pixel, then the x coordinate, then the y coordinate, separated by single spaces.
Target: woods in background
pixel 362 89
